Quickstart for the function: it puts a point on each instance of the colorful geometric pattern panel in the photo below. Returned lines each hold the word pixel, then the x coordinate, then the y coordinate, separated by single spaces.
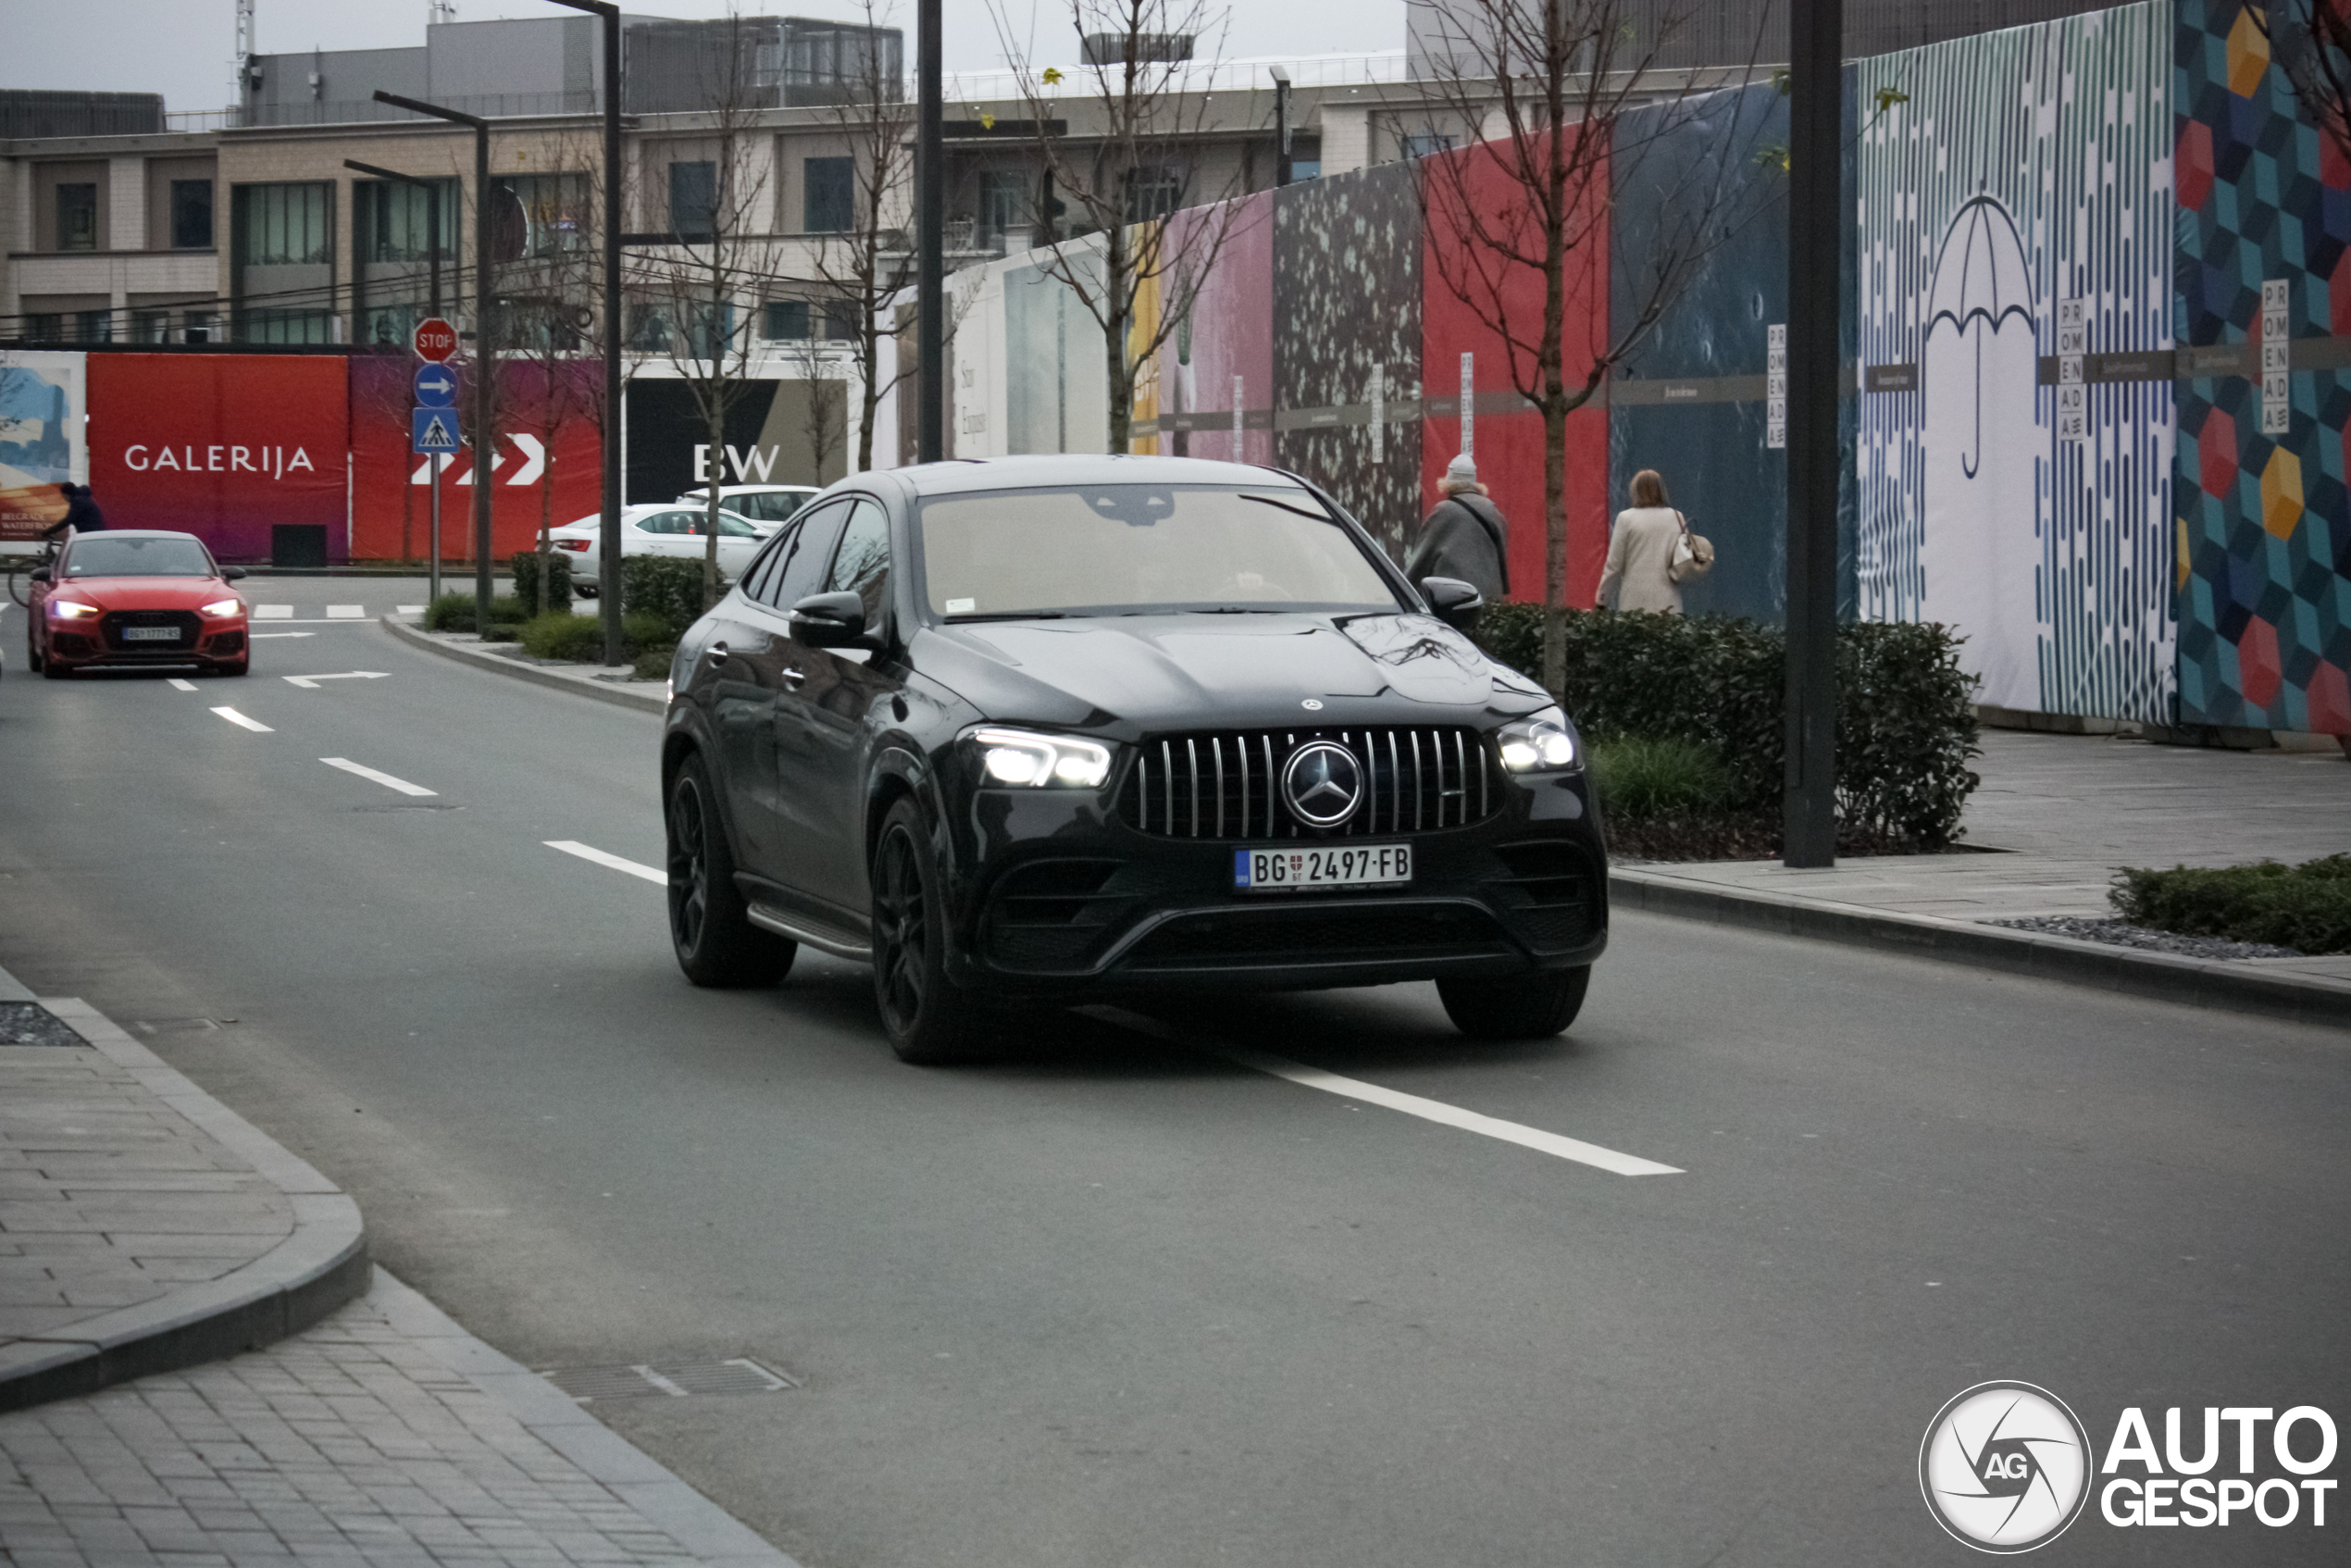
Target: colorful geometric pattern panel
pixel 2262 541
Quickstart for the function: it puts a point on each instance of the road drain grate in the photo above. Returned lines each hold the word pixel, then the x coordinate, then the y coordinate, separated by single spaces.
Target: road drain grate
pixel 739 1375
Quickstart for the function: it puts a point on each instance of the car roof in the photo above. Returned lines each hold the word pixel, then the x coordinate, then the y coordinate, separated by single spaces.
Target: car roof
pixel 752 490
pixel 1064 468
pixel 138 533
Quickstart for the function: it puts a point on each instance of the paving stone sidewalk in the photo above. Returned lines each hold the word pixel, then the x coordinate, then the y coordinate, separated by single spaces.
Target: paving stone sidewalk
pixel 385 1437
pixel 2062 812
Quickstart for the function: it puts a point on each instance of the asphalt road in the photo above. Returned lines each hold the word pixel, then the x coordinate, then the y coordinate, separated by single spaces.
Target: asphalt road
pixel 1118 1298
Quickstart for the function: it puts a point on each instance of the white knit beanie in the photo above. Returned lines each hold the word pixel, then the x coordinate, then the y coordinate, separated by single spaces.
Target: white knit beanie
pixel 1462 470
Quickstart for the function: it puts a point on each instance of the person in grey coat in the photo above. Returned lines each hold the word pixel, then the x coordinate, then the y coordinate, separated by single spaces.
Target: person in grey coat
pixel 1465 536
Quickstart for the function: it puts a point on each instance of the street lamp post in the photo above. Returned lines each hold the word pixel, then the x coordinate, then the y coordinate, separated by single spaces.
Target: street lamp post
pixel 1281 124
pixel 432 255
pixel 608 552
pixel 930 198
pixel 485 355
pixel 1816 38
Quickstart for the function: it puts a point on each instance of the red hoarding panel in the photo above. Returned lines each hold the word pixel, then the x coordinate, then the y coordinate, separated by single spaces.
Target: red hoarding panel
pixel 548 467
pixel 227 447
pixel 1475 210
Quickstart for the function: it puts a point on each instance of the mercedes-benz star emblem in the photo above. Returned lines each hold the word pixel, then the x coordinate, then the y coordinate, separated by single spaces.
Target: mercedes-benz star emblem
pixel 1324 783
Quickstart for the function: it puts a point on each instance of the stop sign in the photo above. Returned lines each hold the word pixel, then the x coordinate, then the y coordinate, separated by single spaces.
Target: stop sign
pixel 435 340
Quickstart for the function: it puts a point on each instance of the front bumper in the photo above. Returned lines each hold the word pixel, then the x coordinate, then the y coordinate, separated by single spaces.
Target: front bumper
pixel 91 645
pixel 1058 896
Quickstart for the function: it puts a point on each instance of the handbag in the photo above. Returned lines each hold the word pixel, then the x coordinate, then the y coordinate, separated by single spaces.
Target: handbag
pixel 1693 554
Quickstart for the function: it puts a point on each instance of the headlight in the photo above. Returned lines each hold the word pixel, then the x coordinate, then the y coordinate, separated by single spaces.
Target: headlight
pixel 67 610
pixel 1023 759
pixel 224 607
pixel 1539 743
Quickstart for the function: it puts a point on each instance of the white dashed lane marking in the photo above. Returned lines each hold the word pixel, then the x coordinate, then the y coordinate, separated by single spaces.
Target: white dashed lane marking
pixel 179 685
pixel 311 681
pixel 589 852
pixel 409 609
pixel 261 634
pixel 386 780
pixel 346 612
pixel 1437 1110
pixel 233 716
pixel 273 612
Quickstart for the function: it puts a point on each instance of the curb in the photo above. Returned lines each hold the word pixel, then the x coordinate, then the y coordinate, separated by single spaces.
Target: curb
pixel 318 1268
pixel 2196 982
pixel 602 691
pixel 716 1539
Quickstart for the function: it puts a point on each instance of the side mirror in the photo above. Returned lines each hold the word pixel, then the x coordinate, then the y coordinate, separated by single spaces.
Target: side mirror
pixel 232 574
pixel 41 574
pixel 1452 601
pixel 829 620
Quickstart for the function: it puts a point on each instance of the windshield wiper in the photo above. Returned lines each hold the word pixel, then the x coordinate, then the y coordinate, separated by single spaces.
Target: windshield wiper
pixel 962 619
pixel 1269 500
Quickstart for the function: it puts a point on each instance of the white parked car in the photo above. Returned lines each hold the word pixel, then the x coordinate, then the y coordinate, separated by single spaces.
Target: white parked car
pixel 766 505
pixel 661 528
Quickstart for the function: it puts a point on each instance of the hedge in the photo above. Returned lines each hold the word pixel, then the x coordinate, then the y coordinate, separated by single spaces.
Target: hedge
pixel 580 639
pixel 1906 722
pixel 454 612
pixel 525 565
pixel 666 586
pixel 2306 907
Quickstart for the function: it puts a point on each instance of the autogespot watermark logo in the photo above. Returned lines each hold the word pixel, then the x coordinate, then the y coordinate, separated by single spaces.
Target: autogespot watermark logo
pixel 2005 1467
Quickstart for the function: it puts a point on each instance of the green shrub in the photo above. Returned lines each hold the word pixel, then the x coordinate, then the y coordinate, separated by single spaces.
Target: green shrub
pixel 666 586
pixel 555 595
pixel 580 639
pixel 2306 907
pixel 454 612
pixel 654 663
pixel 1905 720
pixel 1642 775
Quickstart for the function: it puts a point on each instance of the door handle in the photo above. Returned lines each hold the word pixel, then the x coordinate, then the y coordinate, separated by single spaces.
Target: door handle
pixel 793 675
pixel 718 652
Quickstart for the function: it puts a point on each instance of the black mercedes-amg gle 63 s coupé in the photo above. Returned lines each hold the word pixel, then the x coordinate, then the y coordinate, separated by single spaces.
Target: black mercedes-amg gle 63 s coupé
pixel 1044 731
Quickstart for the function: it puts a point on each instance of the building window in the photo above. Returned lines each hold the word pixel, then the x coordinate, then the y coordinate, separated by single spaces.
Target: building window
pixel 1152 193
pixel 648 327
pixel 43 326
pixel 693 200
pixel 542 215
pixel 828 195
pixel 285 225
pixel 1003 198
pixel 78 215
pixel 1420 145
pixel 191 215
pixel 199 326
pixel 793 320
pixel 395 221
pixel 151 326
pixel 94 326
pixel 286 326
pixel 1305 169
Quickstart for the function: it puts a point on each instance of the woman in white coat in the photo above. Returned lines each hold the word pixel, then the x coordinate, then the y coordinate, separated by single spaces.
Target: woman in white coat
pixel 1640 551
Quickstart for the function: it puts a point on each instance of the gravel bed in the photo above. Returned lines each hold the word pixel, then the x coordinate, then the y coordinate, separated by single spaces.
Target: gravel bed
pixel 2121 933
pixel 28 1022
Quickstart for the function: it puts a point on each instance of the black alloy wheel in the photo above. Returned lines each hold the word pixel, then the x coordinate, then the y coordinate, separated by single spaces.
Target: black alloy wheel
pixel 715 943
pixel 1535 1007
pixel 929 1022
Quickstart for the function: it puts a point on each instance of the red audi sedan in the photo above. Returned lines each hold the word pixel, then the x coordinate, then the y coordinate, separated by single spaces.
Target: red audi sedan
pixel 136 598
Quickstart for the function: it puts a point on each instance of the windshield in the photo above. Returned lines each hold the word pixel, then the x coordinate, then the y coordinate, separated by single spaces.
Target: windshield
pixel 105 557
pixel 1127 549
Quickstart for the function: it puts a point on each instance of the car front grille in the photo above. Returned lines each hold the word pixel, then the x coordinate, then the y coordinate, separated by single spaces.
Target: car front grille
pixel 183 622
pixel 1273 937
pixel 1227 785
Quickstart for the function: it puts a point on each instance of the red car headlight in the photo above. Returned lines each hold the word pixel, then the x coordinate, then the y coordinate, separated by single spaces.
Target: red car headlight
pixel 221 608
pixel 67 610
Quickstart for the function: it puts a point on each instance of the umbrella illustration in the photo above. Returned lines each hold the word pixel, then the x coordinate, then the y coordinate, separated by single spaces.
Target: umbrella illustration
pixel 1980 281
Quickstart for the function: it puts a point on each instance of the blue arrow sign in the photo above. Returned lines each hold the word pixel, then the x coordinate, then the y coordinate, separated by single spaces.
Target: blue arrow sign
pixel 432 429
pixel 436 385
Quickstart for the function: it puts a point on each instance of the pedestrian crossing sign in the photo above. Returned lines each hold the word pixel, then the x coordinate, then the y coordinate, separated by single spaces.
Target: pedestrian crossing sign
pixel 432 429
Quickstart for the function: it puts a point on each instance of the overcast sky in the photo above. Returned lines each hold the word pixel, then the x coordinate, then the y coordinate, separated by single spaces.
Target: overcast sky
pixel 183 49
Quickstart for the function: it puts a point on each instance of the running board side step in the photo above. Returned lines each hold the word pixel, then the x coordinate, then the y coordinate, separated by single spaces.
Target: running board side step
pixel 824 939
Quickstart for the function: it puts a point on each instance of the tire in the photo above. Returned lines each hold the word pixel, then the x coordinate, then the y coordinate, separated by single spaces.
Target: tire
pixel 1533 1008
pixel 709 928
pixel 929 1022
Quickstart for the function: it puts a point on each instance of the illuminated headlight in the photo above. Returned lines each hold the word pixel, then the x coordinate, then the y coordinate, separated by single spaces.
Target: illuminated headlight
pixel 1023 759
pixel 1540 744
pixel 67 610
pixel 220 607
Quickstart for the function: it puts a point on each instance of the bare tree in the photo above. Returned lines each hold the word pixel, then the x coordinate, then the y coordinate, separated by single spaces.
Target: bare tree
pixel 2310 40
pixel 1540 91
pixel 1147 152
pixel 824 416
pixel 701 288
pixel 865 262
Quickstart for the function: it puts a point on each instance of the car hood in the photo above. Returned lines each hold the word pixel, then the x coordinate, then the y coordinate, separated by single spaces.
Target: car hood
pixel 1128 675
pixel 146 592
